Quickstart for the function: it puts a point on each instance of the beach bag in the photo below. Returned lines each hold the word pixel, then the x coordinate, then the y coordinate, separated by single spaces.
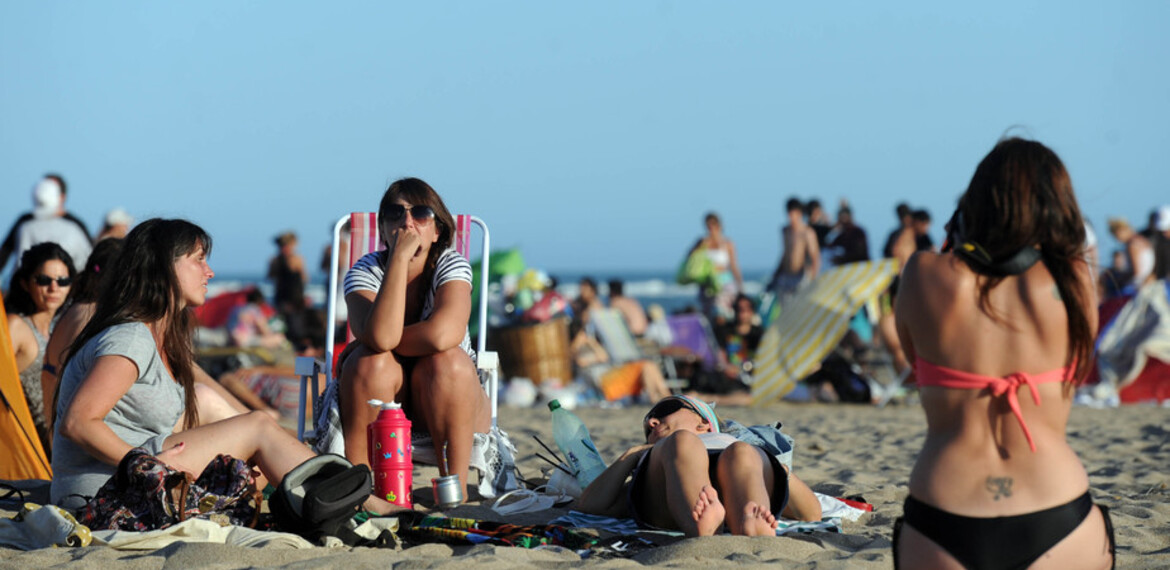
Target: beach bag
pixel 696 268
pixel 319 498
pixel 146 494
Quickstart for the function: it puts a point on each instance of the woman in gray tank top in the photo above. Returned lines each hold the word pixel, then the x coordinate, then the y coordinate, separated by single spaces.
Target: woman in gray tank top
pixel 38 290
pixel 128 378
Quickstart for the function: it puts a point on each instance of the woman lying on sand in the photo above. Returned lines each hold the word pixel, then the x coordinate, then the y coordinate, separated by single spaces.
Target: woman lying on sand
pixel 1012 305
pixel 676 479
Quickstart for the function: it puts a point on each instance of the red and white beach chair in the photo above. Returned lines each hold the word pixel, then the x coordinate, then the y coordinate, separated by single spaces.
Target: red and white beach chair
pixel 364 239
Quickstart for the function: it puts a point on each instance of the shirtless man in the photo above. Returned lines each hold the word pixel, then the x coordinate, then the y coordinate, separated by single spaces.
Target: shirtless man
pixel 630 308
pixel 801 260
pixel 901 243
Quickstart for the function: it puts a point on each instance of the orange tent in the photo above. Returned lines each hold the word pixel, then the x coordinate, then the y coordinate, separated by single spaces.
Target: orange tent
pixel 19 445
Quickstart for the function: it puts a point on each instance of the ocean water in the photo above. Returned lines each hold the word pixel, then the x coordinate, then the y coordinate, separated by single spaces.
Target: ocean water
pixel 647 286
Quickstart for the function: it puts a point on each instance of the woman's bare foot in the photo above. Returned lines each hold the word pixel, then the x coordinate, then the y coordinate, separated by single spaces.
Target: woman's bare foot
pixel 758 520
pixel 708 511
pixel 382 507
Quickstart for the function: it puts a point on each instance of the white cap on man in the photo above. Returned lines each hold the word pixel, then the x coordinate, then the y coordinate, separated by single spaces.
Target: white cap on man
pixel 1163 219
pixel 119 217
pixel 46 198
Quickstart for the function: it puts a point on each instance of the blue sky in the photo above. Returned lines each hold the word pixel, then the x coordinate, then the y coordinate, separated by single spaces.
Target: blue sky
pixel 592 135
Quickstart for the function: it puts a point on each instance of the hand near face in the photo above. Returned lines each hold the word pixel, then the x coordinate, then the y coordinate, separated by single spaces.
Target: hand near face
pixel 406 243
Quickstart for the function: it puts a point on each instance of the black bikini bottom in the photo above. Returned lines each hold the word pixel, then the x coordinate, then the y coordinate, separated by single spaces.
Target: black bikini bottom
pixel 998 542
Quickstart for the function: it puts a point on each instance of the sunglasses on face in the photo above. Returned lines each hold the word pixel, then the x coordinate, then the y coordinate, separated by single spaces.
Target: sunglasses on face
pixel 660 411
pixel 396 212
pixel 45 281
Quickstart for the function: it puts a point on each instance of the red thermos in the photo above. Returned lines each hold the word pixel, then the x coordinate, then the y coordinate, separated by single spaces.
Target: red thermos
pixel 389 453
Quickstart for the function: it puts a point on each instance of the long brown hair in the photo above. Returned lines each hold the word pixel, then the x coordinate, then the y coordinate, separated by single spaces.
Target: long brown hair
pixel 419 193
pixel 146 290
pixel 1021 197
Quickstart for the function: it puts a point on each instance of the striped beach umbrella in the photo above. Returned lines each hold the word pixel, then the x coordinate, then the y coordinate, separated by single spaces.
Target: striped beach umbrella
pixel 812 324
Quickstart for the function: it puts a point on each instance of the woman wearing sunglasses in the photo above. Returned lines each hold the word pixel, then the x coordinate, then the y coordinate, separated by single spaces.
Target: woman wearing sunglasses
pixel 1000 329
pixel 692 477
pixel 38 289
pixel 409 307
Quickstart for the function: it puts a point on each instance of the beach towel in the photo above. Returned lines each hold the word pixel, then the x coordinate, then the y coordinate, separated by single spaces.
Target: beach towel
pixel 472 531
pixel 1141 330
pixel 833 512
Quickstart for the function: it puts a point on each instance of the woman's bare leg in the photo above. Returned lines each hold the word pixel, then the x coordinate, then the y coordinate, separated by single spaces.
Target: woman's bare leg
pixel 746 479
pixel 253 437
pixel 365 375
pixel 445 390
pixel 676 480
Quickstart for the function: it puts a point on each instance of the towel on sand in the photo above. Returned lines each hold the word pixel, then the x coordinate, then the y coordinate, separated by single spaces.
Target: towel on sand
pixel 833 511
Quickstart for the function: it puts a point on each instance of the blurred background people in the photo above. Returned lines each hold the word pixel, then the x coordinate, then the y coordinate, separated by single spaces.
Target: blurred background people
pixel 48 222
pixel 631 310
pixel 728 281
pixel 117 224
pixel 289 275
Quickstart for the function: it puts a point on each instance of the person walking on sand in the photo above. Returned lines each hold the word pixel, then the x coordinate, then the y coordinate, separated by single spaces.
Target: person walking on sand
pixel 1000 329
pixel 800 261
pixel 692 477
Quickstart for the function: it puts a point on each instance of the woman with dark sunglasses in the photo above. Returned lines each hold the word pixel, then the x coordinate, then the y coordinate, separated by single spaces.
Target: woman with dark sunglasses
pixel 409 307
pixel 692 477
pixel 36 294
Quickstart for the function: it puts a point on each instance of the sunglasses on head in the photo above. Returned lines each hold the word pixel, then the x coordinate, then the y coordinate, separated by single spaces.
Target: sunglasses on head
pixel 420 213
pixel 45 280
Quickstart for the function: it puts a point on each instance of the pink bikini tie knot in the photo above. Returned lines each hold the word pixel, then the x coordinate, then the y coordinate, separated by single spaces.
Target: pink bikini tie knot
pixel 1009 386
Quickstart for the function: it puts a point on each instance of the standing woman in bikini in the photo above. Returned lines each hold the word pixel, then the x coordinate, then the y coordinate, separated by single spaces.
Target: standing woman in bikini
pixel 728 281
pixel 1000 329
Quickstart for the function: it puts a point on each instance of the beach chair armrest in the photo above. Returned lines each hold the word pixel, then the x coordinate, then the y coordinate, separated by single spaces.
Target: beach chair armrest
pixel 308 368
pixel 488 365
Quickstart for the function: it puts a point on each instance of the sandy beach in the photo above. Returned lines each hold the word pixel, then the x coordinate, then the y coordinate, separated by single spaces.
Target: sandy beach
pixel 841 450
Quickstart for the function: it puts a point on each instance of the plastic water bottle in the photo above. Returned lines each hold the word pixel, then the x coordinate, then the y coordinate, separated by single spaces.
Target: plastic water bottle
pixel 573 439
pixel 389 452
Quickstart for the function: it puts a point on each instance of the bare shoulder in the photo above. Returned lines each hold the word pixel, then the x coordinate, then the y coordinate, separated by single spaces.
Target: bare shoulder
pixel 926 267
pixel 17 326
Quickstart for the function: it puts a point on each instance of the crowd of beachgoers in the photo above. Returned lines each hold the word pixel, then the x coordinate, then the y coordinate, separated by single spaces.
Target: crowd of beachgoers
pixel 997 321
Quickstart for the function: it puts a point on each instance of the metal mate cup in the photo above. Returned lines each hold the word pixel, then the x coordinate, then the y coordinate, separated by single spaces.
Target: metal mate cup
pixel 448 491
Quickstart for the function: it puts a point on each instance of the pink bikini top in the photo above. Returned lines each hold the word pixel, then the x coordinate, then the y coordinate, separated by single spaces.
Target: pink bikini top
pixel 930 374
